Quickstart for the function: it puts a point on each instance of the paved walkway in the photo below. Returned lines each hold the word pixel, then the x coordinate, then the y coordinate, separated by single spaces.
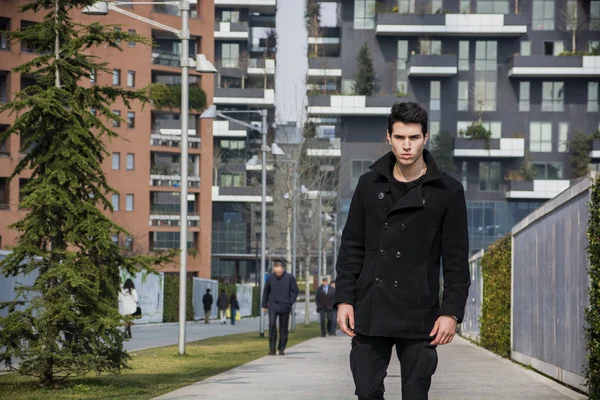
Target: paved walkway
pixel 318 369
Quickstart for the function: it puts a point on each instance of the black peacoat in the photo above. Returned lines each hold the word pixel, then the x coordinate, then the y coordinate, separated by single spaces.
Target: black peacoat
pixel 389 261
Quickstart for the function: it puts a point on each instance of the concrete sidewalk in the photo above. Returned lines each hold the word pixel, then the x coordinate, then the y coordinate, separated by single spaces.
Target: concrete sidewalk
pixel 319 369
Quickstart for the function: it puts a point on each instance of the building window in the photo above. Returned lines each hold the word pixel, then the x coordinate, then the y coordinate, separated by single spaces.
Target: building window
pixel 131 32
pixel 233 180
pixel 434 129
pixel 93 76
pixel 495 127
pixel 553 96
pixel 230 55
pixel 230 16
pixel 594 15
pixel 592 97
pixel 117 121
pixel 463 55
pixel 364 14
pixel 130 161
pixel 540 137
pixel 129 202
pixel 4 26
pixel 489 176
pixel 548 171
pixel 359 167
pixel 116 161
pixel 115 201
pixel 464 175
pixel 465 6
pixel 436 6
pixel 402 68
pixel 485 96
pixel 430 47
pixel 170 240
pixel 435 95
pixel 492 7
pixel 130 119
pixel 563 137
pixel 116 77
pixel 3 87
pixel 524 93
pixel 594 46
pixel 486 55
pixel 525 48
pixel 543 15
pixel 554 48
pixel 130 79
pixel 463 95
pixel 406 7
pixel 118 40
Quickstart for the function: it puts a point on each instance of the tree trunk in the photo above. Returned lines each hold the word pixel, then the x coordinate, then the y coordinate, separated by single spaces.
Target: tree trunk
pixel 288 234
pixel 574 40
pixel 243 80
pixel 307 292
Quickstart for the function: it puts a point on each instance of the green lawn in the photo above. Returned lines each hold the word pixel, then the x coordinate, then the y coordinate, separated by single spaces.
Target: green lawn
pixel 157 371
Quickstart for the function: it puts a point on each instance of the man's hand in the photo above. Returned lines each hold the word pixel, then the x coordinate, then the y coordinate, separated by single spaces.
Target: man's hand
pixel 264 309
pixel 443 330
pixel 346 319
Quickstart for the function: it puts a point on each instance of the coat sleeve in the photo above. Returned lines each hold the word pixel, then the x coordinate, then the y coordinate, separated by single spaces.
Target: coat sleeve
pixel 266 293
pixel 352 250
pixel 134 294
pixel 293 290
pixel 318 297
pixel 455 257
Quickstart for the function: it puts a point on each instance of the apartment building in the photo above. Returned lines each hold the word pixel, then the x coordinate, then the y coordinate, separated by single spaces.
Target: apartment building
pixel 525 69
pixel 144 166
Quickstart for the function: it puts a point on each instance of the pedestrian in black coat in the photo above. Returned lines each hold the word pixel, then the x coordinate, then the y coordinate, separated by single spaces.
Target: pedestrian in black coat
pixel 279 296
pixel 405 215
pixel 207 302
pixel 222 304
pixel 325 295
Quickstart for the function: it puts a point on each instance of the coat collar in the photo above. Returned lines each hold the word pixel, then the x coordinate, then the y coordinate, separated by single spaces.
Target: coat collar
pixel 384 166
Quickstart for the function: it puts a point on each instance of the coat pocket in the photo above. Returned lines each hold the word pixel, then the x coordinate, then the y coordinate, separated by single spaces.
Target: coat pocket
pixel 422 283
pixel 428 238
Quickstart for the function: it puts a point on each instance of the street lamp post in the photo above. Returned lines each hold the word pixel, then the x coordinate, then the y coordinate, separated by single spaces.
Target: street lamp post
pixel 202 65
pixel 294 225
pixel 320 240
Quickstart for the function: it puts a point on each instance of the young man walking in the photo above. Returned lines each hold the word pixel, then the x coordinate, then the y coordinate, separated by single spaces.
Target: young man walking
pixel 207 302
pixel 279 296
pixel 324 299
pixel 405 215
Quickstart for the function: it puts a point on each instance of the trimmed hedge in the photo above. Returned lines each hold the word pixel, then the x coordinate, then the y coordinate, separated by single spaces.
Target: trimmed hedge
pixel 171 302
pixel 255 301
pixel 592 313
pixel 495 310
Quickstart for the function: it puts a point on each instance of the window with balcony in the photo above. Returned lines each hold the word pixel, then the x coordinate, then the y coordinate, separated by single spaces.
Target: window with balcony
pixel 3 86
pixel 486 55
pixel 548 171
pixel 492 7
pixel 563 137
pixel 359 167
pixel 489 176
pixel 436 6
pixel 554 48
pixel 540 137
pixel 553 96
pixel 170 240
pixel 364 14
pixel 594 23
pixel 463 95
pixel 594 46
pixel 230 16
pixel 406 6
pixel 233 150
pixel 463 55
pixel 525 48
pixel 427 46
pixel 230 55
pixel 233 179
pixel 495 127
pixel 485 96
pixel 168 203
pixel 543 15
pixel 465 6
pixel 4 26
pixel 592 97
pixel 435 96
pixel 524 96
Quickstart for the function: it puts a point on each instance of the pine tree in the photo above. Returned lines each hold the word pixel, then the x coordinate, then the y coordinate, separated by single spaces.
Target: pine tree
pixel 579 150
pixel 69 324
pixel 441 149
pixel 364 82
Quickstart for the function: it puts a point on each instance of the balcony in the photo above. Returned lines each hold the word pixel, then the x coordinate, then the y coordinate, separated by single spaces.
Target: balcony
pixel 335 105
pixel 166 58
pixel 595 153
pixel 264 6
pixel 543 189
pixel 255 164
pixel 321 147
pixel 554 66
pixel 394 24
pixel 247 96
pixel 245 194
pixel 231 30
pixel 171 218
pixel 160 140
pixel 173 181
pixel 325 66
pixel 327 42
pixel 498 148
pixel 263 21
pixel 228 129
pixel 261 66
pixel 433 65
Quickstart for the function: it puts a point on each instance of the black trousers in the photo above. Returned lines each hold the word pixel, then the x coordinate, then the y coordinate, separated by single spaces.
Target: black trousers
pixel 283 330
pixel 371 355
pixel 327 320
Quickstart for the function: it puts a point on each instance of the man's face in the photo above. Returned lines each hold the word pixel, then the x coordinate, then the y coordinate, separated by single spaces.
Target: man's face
pixel 278 269
pixel 407 142
pixel 324 283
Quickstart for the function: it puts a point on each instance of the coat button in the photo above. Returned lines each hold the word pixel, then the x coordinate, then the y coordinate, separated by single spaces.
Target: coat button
pixel 423 201
pixel 396 283
pixel 378 280
pixel 402 227
pixel 398 254
pixel 382 252
pixel 381 196
pixel 386 226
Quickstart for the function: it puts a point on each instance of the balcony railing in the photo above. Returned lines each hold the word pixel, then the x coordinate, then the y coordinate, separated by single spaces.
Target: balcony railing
pixel 173 141
pixel 167 58
pixel 173 181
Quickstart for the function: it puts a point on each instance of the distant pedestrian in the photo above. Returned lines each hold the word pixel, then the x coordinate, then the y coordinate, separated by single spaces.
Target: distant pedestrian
pixel 325 294
pixel 222 304
pixel 334 311
pixel 279 296
pixel 129 300
pixel 207 302
pixel 234 306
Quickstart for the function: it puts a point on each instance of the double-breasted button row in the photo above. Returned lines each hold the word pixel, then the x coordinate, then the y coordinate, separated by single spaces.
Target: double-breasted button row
pixel 378 281
pixel 398 254
pixel 388 226
pixel 382 252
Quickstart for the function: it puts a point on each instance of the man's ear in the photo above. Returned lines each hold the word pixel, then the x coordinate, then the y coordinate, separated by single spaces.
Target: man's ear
pixel 389 137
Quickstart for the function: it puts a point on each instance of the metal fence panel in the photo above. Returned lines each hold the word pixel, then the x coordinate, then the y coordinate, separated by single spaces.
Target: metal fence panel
pixel 244 296
pixel 470 324
pixel 200 286
pixel 150 290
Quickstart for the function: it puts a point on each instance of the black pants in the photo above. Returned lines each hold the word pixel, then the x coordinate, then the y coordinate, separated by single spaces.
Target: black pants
pixel 370 357
pixel 283 330
pixel 327 319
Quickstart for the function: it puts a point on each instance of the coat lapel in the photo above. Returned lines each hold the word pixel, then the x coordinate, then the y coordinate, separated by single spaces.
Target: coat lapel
pixel 412 199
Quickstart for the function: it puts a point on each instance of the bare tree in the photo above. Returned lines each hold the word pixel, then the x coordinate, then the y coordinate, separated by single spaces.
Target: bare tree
pixel 218 66
pixel 575 20
pixel 312 17
pixel 243 64
pixel 218 162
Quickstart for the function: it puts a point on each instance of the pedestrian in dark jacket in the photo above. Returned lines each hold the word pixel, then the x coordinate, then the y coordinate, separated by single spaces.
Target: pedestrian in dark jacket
pixel 279 296
pixel 234 307
pixel 222 304
pixel 325 295
pixel 207 302
pixel 405 214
